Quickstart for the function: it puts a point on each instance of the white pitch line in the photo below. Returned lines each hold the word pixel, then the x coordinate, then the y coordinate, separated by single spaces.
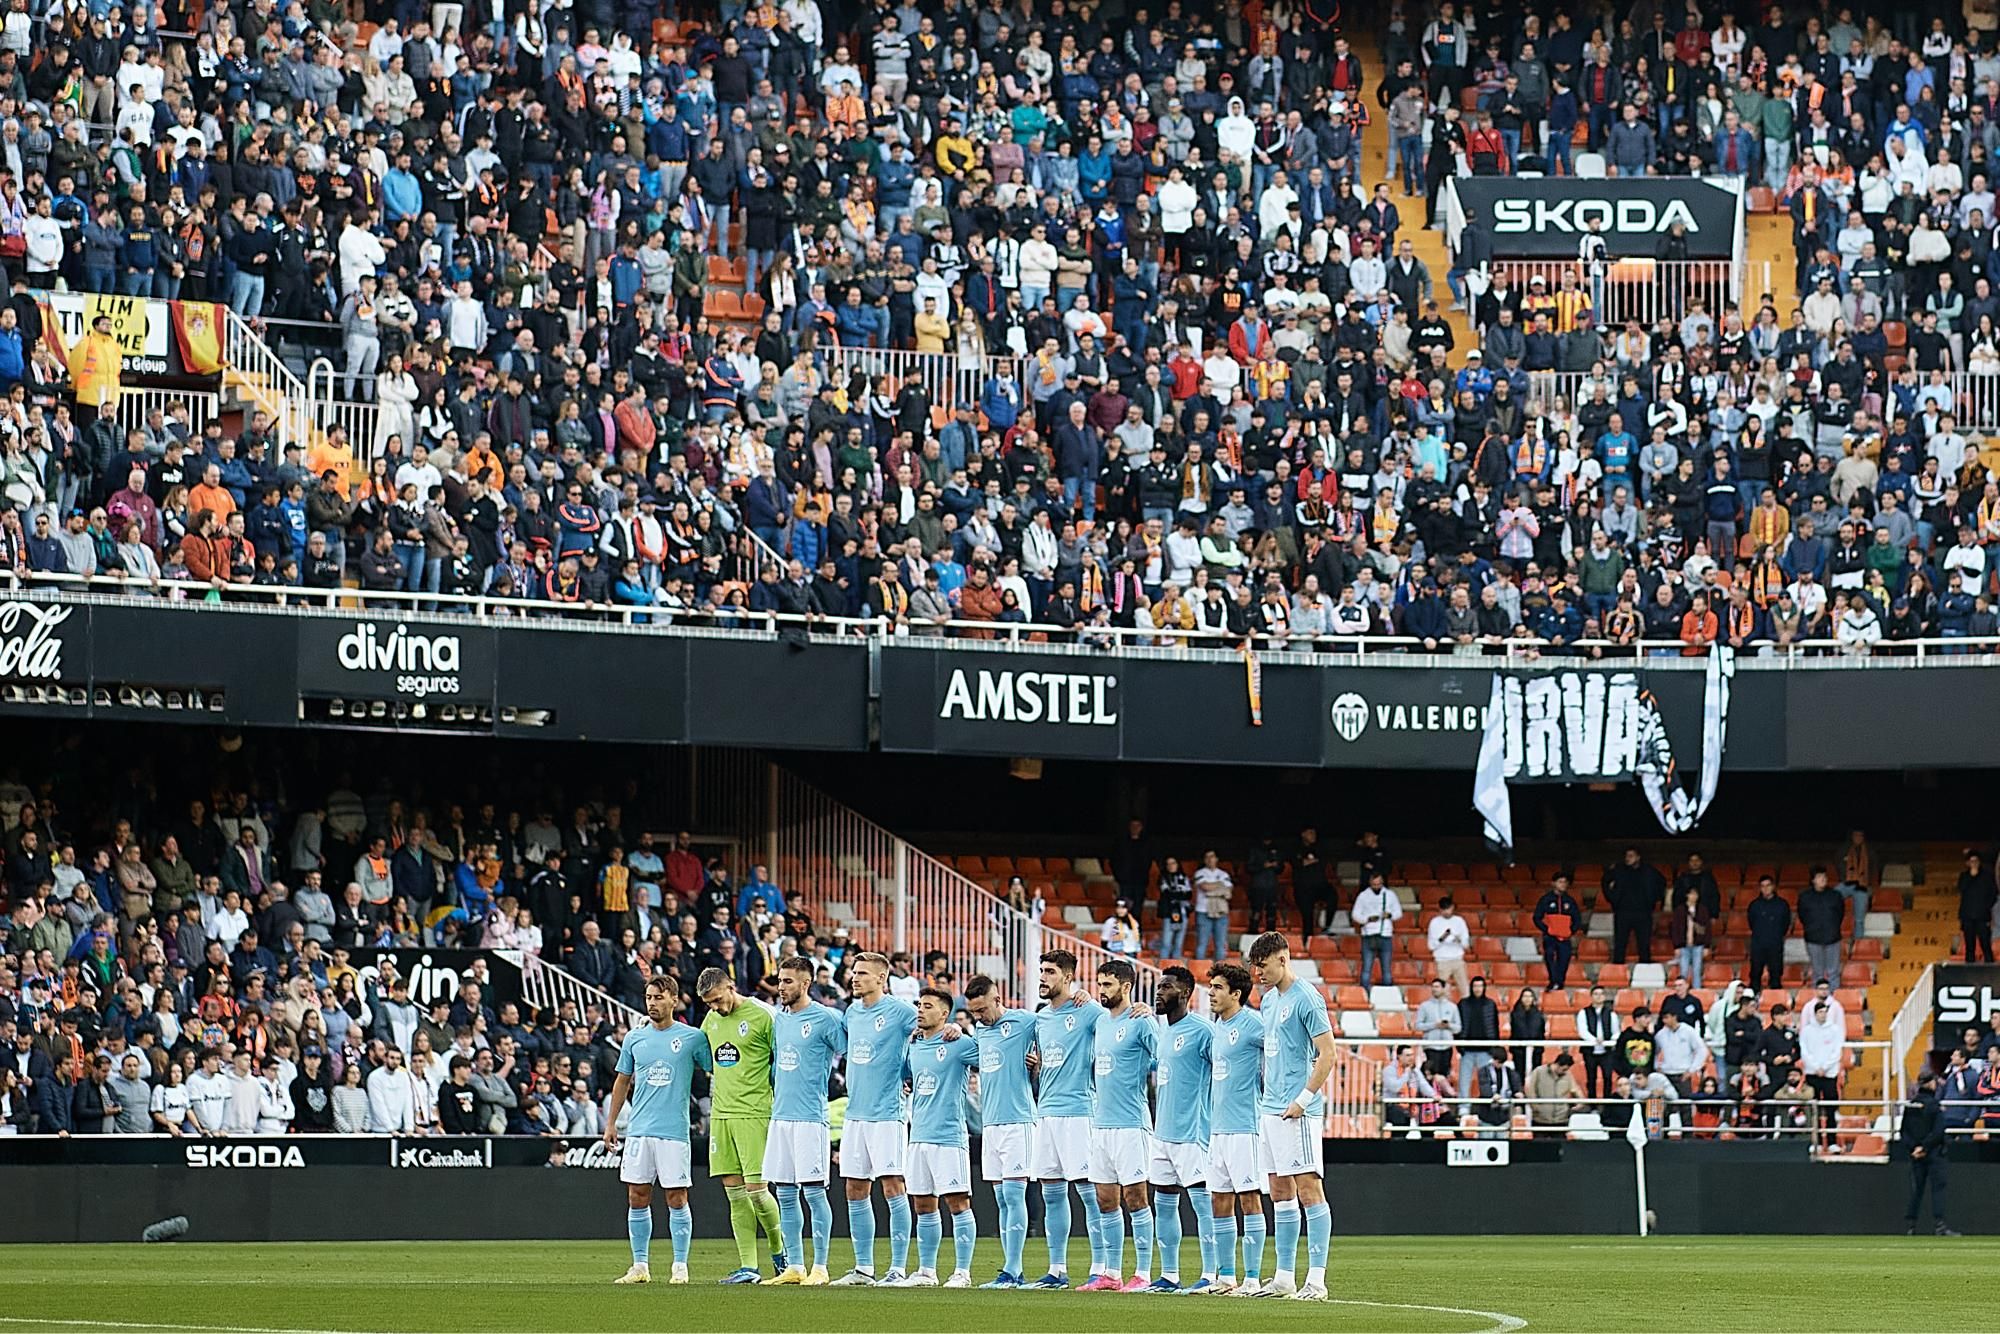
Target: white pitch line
pixel 1502 1322
pixel 66 1323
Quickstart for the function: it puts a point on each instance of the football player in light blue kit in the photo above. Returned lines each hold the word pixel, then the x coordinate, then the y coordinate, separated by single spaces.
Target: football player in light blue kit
pixel 1121 1128
pixel 937 1070
pixel 1006 1115
pixel 1065 1048
pixel 656 1065
pixel 1298 1057
pixel 1181 1091
pixel 875 1142
pixel 805 1038
pixel 1235 1178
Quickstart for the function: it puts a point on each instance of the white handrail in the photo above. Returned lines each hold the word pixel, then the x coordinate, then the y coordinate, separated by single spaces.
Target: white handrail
pixel 547 985
pixel 245 351
pixel 1912 1022
pixel 1404 650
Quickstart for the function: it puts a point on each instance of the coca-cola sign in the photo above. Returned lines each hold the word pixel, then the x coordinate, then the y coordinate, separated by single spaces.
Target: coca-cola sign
pixel 30 648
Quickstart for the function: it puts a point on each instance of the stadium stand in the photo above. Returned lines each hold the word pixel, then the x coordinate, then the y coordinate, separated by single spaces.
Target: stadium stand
pixel 701 293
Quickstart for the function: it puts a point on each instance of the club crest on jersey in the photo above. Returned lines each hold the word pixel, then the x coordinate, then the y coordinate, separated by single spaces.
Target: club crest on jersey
pixel 1069 1024
pixel 806 1029
pixel 674 1045
pixel 743 1028
pixel 881 1022
pixel 1118 1033
pixel 1180 1044
pixel 1234 1034
pixel 940 1054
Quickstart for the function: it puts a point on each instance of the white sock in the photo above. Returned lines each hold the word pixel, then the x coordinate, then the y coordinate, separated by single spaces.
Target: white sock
pixel 1317 1274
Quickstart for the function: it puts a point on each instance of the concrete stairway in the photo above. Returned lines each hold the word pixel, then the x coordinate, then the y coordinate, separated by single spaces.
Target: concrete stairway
pixel 1429 245
pixel 1925 933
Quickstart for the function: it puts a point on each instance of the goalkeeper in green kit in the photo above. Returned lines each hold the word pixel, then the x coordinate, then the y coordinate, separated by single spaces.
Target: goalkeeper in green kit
pixel 739 1036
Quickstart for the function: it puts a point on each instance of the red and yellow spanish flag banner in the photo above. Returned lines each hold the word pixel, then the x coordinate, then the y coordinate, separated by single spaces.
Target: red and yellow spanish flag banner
pixel 198 328
pixel 1253 684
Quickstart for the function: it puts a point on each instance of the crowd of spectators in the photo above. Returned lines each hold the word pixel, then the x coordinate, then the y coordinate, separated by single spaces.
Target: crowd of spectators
pixel 211 965
pixel 1203 384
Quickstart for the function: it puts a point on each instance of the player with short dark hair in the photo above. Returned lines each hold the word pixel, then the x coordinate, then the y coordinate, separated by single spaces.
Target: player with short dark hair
pixel 936 1069
pixel 1006 1114
pixel 1121 1128
pixel 656 1065
pixel 1235 1183
pixel 806 1037
pixel 1181 1089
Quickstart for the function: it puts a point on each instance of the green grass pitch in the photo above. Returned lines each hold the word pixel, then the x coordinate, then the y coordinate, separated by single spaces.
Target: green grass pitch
pixel 1410 1285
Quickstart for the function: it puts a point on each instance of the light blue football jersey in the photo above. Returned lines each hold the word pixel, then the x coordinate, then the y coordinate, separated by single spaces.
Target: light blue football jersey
pixel 1181 1084
pixel 1065 1038
pixel 1006 1093
pixel 876 1036
pixel 1127 1047
pixel 937 1070
pixel 1236 1069
pixel 661 1062
pixel 1292 1019
pixel 804 1044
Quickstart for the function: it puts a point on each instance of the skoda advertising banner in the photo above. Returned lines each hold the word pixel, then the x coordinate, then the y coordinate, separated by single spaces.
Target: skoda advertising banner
pixel 1546 217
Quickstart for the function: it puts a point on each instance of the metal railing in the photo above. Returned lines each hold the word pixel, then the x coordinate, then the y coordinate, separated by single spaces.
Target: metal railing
pixel 549 986
pixel 946 378
pixel 893 896
pixel 1642 289
pixel 252 366
pixel 1356 1108
pixel 1382 650
pixel 136 405
pixel 328 406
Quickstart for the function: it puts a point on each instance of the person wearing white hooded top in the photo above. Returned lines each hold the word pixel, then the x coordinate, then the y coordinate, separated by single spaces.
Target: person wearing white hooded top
pixel 1823 1051
pixel 1236 132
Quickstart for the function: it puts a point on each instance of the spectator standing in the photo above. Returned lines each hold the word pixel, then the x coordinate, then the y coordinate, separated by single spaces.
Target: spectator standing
pixel 1312 891
pixel 1823 1056
pixel 1681 1053
pixel 1439 1023
pixel 1478 1021
pixel 1693 924
pixel 1975 907
pixel 1597 1031
pixel 1176 905
pixel 1449 938
pixel 1819 912
pixel 1376 911
pixel 1527 1027
pixel 1770 919
pixel 1742 1036
pixel 1213 888
pixel 1265 861
pixel 1132 862
pixel 1557 915
pixel 1633 888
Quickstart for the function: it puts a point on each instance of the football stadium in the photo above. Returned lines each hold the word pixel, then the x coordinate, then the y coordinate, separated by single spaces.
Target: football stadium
pixel 1066 650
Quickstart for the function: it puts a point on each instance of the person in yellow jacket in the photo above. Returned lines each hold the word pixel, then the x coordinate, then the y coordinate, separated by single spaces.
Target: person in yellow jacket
pixel 95 367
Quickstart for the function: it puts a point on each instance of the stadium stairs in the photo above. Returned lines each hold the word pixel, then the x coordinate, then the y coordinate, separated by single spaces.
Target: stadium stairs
pixel 1429 245
pixel 1768 229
